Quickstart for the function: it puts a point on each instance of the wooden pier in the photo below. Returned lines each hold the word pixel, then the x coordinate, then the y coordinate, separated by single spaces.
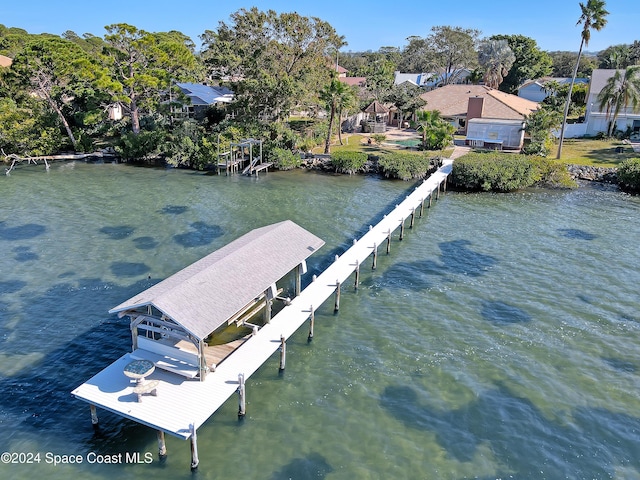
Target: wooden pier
pixel 181 405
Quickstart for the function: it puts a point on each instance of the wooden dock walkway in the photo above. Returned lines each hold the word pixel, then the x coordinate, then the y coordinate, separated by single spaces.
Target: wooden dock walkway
pixel 181 406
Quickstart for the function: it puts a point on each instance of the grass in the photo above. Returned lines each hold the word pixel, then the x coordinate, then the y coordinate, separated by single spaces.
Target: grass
pixel 596 153
pixel 358 143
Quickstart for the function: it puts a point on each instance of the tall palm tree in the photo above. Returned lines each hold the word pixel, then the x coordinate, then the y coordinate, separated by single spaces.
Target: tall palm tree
pixel 593 17
pixel 496 58
pixel 621 91
pixel 336 96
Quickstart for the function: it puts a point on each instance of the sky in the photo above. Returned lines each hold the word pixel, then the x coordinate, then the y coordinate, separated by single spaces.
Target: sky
pixel 365 24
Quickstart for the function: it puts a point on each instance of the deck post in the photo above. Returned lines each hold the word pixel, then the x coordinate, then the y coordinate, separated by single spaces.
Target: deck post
pixel 375 257
pixel 438 192
pixel 402 229
pixel 430 197
pixel 444 185
pixel 413 215
pixel 312 320
pixel 421 207
pixel 357 274
pixel 94 416
pixel 162 446
pixel 337 304
pixel 283 352
pixel 242 404
pixel 389 242
pixel 267 310
pixel 194 447
pixel 298 287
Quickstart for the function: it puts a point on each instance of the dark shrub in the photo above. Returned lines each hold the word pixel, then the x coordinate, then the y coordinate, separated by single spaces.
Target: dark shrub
pixel 629 175
pixel 405 166
pixel 348 162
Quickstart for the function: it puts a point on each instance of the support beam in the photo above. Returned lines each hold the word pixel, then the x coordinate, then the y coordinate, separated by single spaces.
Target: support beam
pixel 413 215
pixel 438 192
pixel 402 229
pixel 242 402
pixel 312 321
pixel 421 207
pixel 444 185
pixel 430 197
pixel 337 304
pixel 162 446
pixel 194 447
pixel 283 352
pixel 357 280
pixel 389 242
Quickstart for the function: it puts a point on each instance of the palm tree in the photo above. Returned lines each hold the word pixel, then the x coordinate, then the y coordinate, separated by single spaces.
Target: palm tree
pixel 337 96
pixel 436 132
pixel 593 16
pixel 496 58
pixel 621 91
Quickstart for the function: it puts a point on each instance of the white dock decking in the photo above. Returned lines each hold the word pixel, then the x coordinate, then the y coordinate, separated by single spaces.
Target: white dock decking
pixel 181 402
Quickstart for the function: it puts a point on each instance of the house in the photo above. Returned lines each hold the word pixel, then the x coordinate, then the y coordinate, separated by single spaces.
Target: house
pixel 535 91
pixel 432 80
pixel 596 118
pixel 501 114
pixel 203 96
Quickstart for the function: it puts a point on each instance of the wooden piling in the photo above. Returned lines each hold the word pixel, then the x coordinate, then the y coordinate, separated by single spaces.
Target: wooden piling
pixel 421 207
pixel 357 274
pixel 402 229
pixel 389 242
pixel 283 352
pixel 413 215
pixel 194 447
pixel 242 403
pixel 430 197
pixel 438 192
pixel 162 446
pixel 337 304
pixel 444 185
pixel 375 257
pixel 312 320
pixel 94 415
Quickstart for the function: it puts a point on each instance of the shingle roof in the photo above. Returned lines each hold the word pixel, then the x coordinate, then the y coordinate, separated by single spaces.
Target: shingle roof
pixel 453 100
pixel 204 295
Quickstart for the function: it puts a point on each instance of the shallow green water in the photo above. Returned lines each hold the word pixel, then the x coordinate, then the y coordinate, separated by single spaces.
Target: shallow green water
pixel 498 340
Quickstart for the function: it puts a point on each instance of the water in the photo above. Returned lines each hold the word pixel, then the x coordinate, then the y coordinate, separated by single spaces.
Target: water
pixel 498 340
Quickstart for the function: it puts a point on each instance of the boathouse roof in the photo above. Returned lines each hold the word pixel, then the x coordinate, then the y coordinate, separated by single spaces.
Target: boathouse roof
pixel 204 295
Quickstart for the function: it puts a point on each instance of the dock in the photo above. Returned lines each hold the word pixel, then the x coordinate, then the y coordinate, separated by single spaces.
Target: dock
pixel 183 405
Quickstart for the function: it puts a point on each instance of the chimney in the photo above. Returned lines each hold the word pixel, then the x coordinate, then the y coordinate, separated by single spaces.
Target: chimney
pixel 474 109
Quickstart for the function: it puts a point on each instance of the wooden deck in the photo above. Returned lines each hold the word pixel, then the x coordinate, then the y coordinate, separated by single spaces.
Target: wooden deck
pixel 181 402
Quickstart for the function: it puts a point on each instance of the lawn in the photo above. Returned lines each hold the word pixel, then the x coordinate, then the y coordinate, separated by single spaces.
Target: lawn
pixel 358 143
pixel 597 153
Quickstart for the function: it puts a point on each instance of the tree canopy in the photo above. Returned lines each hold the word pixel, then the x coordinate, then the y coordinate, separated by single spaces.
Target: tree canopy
pixel 530 62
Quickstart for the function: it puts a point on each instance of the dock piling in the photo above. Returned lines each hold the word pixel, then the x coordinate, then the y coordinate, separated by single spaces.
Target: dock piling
pixel 194 448
pixel 402 229
pixel 357 274
pixel 94 416
pixel 389 242
pixel 337 304
pixel 311 324
pixel 413 215
pixel 421 207
pixel 242 404
pixel 375 257
pixel 283 352
pixel 162 446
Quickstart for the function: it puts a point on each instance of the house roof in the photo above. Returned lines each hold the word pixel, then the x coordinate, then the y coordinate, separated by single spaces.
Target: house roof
pixel 354 81
pixel 428 79
pixel 542 80
pixel 599 79
pixel 201 94
pixel 453 101
pixel 204 295
pixel 5 61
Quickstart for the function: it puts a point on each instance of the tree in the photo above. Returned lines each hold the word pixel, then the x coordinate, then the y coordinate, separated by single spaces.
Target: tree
pixel 446 51
pixel 273 61
pixel 436 132
pixel 538 125
pixel 496 58
pixel 406 98
pixel 530 62
pixel 336 96
pixel 615 57
pixel 52 68
pixel 593 16
pixel 144 64
pixel 621 91
pixel 565 62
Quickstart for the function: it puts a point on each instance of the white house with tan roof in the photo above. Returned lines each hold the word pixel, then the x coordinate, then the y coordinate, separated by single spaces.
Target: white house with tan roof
pixel 488 117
